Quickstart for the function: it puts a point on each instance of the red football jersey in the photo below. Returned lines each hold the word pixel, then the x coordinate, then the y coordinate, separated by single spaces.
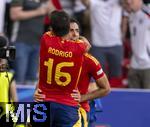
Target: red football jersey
pixel 90 68
pixel 60 68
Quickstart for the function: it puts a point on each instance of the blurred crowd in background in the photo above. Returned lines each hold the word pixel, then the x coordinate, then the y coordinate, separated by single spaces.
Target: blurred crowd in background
pixel 120 38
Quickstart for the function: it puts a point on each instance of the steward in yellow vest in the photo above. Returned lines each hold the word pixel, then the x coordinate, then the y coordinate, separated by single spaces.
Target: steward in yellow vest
pixel 7 91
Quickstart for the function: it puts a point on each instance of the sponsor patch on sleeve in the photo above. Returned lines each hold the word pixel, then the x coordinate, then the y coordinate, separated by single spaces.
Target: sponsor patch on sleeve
pixel 100 72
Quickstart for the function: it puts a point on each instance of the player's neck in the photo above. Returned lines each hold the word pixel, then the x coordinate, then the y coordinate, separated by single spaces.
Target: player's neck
pixel 66 37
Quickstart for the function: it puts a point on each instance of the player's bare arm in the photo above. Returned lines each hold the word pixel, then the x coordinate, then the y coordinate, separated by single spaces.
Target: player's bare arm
pixel 17 12
pixel 103 89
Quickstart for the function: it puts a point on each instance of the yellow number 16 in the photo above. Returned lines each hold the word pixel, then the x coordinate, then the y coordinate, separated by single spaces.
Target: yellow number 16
pixel 58 73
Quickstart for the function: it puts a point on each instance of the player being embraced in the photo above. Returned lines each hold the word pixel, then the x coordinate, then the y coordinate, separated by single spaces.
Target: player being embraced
pixel 90 68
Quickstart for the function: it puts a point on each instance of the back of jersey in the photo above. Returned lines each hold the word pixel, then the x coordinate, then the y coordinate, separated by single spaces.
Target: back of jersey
pixel 60 68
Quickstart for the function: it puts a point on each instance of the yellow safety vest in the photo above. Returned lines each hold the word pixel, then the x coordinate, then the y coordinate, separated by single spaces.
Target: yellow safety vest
pixel 5 78
pixel 5 81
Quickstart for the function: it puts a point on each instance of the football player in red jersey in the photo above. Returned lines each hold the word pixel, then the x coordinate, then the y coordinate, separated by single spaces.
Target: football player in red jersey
pixel 90 68
pixel 60 69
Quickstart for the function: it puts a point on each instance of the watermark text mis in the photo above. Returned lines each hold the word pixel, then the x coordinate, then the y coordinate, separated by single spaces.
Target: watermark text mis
pixel 27 112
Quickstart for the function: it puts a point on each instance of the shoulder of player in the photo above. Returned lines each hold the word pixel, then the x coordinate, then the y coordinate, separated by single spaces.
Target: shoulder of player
pixel 76 41
pixel 49 33
pixel 72 42
pixel 91 58
pixel 79 41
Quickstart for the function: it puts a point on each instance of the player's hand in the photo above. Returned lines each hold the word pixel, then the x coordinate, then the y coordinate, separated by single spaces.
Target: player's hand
pixel 86 41
pixel 76 95
pixel 38 96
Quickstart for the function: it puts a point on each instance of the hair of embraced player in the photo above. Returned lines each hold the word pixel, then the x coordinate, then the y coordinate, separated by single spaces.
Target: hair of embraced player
pixel 60 23
pixel 73 20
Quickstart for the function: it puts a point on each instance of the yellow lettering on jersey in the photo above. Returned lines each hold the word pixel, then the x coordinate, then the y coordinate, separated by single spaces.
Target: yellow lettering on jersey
pixel 60 53
pixel 58 73
pixel 49 65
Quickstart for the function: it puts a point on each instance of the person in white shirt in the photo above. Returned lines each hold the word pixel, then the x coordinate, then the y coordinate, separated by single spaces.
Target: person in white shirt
pixel 2 13
pixel 67 6
pixel 139 23
pixel 106 21
pixel 79 14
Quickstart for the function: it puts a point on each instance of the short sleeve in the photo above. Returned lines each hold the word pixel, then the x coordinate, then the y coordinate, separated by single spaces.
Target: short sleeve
pixel 17 3
pixel 94 67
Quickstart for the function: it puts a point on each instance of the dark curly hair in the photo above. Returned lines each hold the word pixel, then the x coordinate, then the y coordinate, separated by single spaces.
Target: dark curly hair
pixel 60 23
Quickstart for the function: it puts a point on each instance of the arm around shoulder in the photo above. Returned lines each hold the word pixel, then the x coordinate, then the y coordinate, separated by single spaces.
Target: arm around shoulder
pixel 103 89
pixel 103 83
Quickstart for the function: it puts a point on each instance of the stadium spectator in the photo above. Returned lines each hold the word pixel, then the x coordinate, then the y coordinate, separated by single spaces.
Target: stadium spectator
pixel 67 5
pixel 8 22
pixel 7 83
pixel 57 6
pixel 107 47
pixel 28 17
pixel 139 23
pixel 79 14
pixel 2 13
pixel 7 91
